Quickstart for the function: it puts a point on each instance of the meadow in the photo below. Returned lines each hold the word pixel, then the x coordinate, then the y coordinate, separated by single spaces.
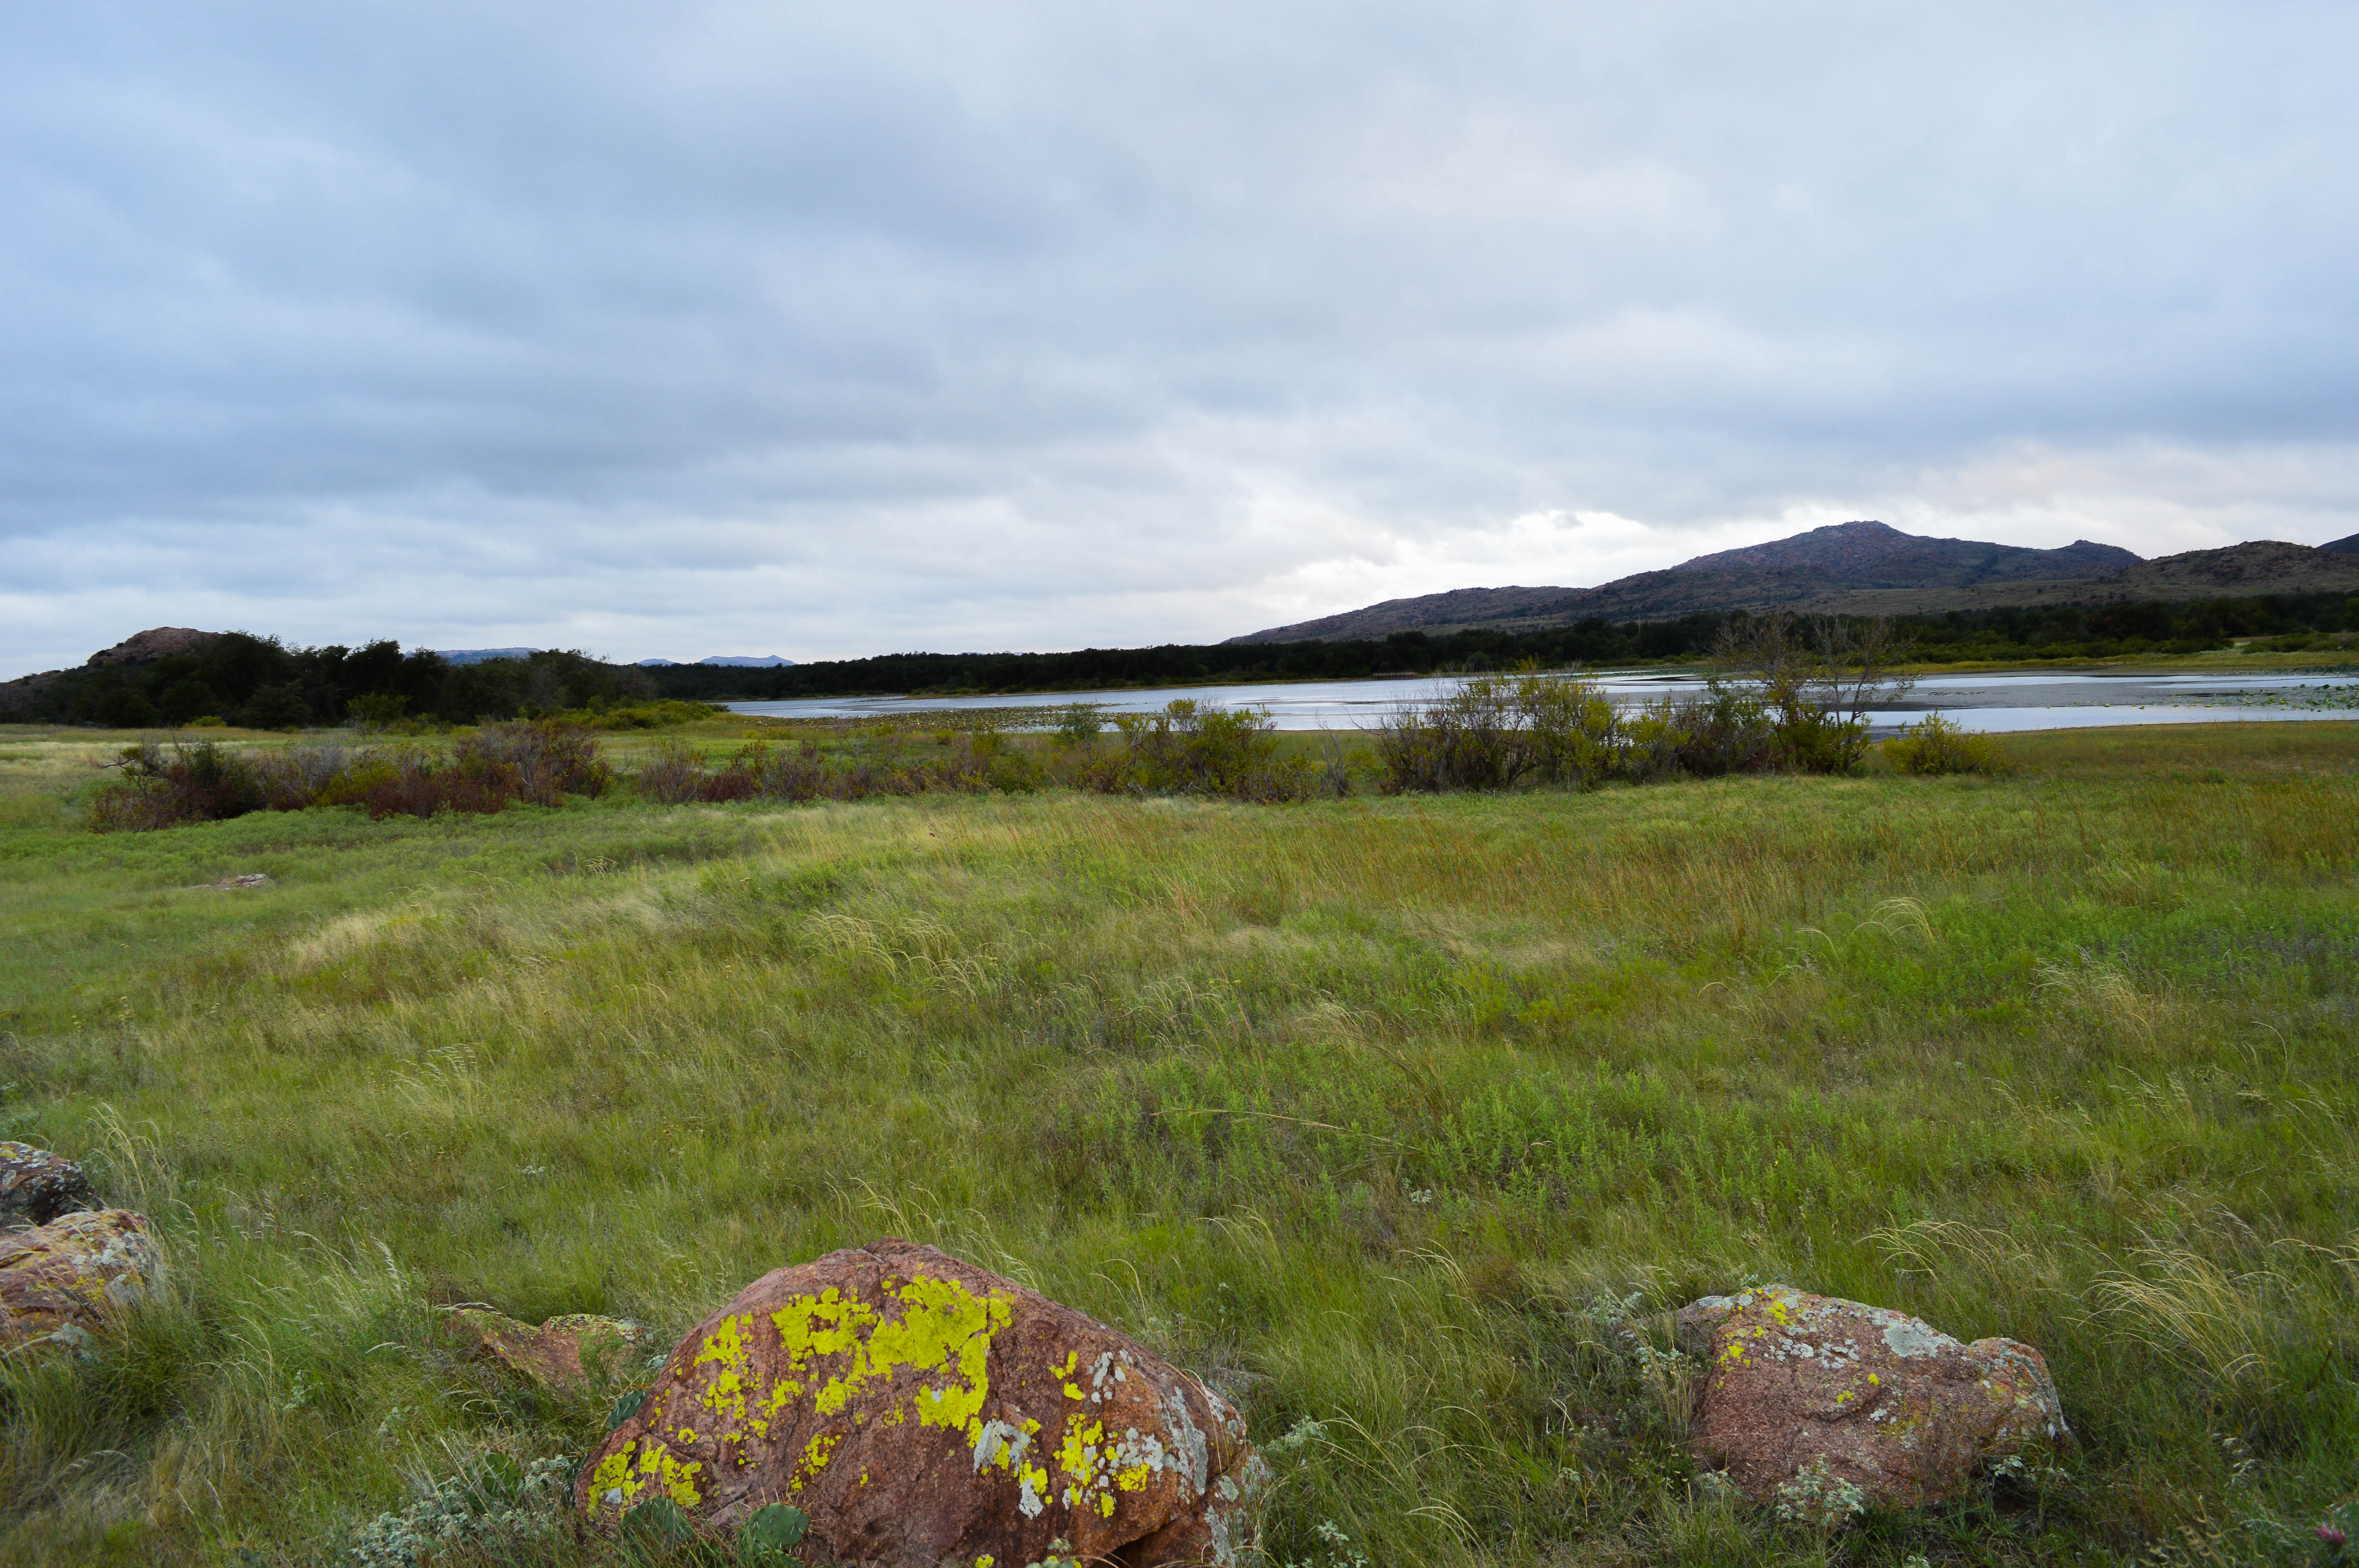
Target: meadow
pixel 1405 1120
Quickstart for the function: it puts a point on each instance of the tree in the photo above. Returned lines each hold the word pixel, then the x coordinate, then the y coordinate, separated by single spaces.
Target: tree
pixel 1820 678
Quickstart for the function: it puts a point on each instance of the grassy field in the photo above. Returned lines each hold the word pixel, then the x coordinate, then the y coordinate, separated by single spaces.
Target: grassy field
pixel 1405 1120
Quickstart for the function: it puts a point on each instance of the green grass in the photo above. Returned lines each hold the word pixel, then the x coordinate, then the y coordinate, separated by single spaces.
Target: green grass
pixel 1408 1117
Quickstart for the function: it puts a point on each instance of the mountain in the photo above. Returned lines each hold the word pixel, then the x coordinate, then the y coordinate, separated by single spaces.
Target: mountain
pixel 2345 547
pixel 1805 572
pixel 480 655
pixel 747 661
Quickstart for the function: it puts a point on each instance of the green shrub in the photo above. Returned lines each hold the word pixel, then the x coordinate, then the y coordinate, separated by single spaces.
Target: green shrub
pixel 377 710
pixel 277 708
pixel 1493 732
pixel 1935 745
pixel 1078 723
pixel 1190 748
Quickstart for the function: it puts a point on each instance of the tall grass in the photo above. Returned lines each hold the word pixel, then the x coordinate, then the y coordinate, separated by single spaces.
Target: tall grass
pixel 1407 1120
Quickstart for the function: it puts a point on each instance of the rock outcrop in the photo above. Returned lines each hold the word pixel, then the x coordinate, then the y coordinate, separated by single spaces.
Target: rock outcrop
pixel 564 1355
pixel 64 1283
pixel 1847 1396
pixel 922 1410
pixel 36 1187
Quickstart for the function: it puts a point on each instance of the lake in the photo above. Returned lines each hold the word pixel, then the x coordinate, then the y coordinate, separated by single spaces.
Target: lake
pixel 2011 701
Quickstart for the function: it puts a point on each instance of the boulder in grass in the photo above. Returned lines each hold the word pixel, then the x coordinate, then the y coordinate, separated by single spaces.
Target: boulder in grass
pixel 64 1283
pixel 920 1411
pixel 564 1355
pixel 36 1187
pixel 1821 1404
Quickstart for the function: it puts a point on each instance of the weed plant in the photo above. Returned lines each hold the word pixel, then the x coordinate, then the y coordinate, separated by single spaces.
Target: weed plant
pixel 1405 1120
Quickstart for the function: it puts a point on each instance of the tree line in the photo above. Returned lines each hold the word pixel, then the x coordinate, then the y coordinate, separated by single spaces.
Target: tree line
pixel 261 683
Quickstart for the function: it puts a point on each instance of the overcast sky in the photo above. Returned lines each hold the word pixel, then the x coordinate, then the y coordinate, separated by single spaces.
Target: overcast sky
pixel 822 330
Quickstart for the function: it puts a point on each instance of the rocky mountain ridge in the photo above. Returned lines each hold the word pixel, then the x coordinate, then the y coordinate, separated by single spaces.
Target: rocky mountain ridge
pixel 1861 568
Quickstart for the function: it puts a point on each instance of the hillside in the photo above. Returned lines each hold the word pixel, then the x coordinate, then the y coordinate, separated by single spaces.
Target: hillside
pixel 1860 569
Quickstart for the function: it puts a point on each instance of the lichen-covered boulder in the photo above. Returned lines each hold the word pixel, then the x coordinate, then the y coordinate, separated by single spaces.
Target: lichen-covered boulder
pixel 564 1355
pixel 36 1187
pixel 921 1411
pixel 64 1282
pixel 1833 1397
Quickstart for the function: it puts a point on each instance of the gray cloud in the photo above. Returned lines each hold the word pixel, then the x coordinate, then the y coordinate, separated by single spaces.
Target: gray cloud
pixel 831 330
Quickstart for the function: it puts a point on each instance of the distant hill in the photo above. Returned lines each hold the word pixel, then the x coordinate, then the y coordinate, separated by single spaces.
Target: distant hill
pixel 749 660
pixel 1854 569
pixel 2345 547
pixel 480 655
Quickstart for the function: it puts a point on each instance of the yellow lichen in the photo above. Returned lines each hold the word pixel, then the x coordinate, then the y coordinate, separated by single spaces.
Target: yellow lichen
pixel 943 1326
pixel 727 1346
pixel 814 1460
pixel 613 1475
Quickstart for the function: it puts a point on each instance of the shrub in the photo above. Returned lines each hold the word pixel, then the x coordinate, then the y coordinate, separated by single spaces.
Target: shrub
pixel 193 783
pixel 661 714
pixel 541 762
pixel 1078 723
pixel 542 759
pixel 1494 732
pixel 277 708
pixel 1724 731
pixel 1816 679
pixel 377 710
pixel 1190 748
pixel 124 708
pixel 1184 749
pixel 1935 745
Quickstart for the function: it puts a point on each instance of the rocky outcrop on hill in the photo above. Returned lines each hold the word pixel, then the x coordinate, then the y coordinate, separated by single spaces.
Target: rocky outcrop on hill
pixel 153 643
pixel 1822 1404
pixel 64 1283
pixel 36 1187
pixel 136 649
pixel 920 1409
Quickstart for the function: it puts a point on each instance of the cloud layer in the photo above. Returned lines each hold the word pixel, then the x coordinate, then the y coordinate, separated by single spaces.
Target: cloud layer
pixel 832 329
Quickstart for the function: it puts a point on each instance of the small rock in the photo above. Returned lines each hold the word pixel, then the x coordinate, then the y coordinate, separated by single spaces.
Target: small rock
pixel 1825 1395
pixel 920 1409
pixel 36 1187
pixel 245 880
pixel 564 1355
pixel 65 1281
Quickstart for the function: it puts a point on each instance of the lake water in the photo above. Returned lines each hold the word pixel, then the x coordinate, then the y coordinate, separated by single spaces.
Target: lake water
pixel 1986 702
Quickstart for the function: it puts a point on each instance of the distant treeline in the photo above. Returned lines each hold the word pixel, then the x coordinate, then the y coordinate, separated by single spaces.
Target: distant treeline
pixel 260 683
pixel 2058 632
